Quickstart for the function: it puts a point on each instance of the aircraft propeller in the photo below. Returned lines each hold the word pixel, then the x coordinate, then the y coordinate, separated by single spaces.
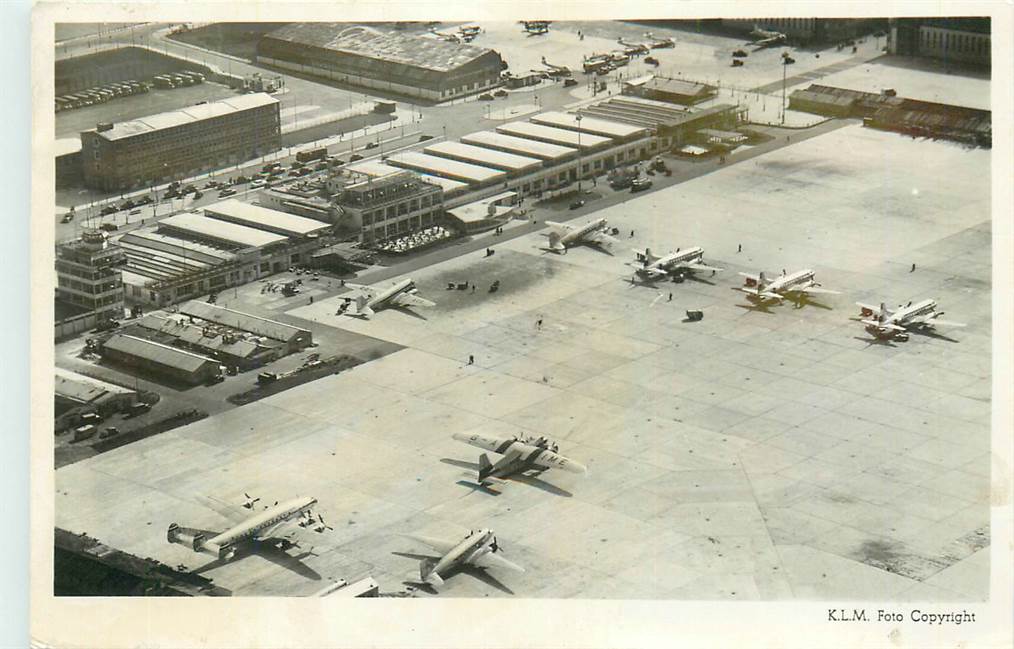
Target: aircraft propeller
pixel 494 546
pixel 250 501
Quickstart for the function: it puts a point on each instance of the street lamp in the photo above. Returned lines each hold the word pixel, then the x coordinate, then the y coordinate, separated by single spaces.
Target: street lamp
pixel 578 118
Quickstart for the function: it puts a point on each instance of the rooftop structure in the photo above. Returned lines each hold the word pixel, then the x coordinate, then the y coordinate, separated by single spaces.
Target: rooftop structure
pixel 483 156
pixel 676 91
pixel 239 236
pixel 184 116
pixel 519 145
pixel 552 135
pixel 445 168
pixel 570 121
pixel 262 218
pixel 84 389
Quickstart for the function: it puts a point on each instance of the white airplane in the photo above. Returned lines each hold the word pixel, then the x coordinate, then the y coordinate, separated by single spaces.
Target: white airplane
pixel 520 454
pixel 370 300
pixel 884 323
pixel 651 266
pixel 564 235
pixel 766 37
pixel 479 548
pixel 792 287
pixel 262 526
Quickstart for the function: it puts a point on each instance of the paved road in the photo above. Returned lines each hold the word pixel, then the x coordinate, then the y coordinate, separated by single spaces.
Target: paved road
pixel 813 75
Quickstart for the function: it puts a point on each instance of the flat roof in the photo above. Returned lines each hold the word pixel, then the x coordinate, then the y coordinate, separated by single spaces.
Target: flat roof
pixel 240 235
pixel 677 86
pixel 372 168
pixel 187 115
pixel 446 184
pixel 263 217
pixel 86 389
pixel 480 210
pixel 365 41
pixel 587 124
pixel 553 135
pixel 541 150
pixel 158 353
pixel 483 156
pixel 67 145
pixel 196 335
pixel 242 321
pixel 443 167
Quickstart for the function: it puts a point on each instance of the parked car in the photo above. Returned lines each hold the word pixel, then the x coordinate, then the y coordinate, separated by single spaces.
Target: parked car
pixel 739 54
pixel 108 209
pixel 567 83
pixel 500 93
pixel 372 145
pixel 137 409
pixel 145 200
pixel 577 204
pixel 226 192
pixel 198 194
pixel 485 97
pixel 67 218
pixel 108 227
pixel 259 182
pixel 107 325
pixel 354 157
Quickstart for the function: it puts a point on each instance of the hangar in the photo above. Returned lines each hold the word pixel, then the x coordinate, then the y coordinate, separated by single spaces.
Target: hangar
pixel 521 146
pixel 399 63
pixel 509 162
pixel 452 169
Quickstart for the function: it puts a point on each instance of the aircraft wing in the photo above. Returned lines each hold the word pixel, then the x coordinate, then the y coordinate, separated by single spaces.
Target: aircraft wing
pixel 550 460
pixel 700 266
pixel 563 227
pixel 482 441
pixel 410 299
pixel 819 290
pixel 494 560
pixel 233 512
pixel 751 276
pixel 601 239
pixel 442 546
pixel 887 326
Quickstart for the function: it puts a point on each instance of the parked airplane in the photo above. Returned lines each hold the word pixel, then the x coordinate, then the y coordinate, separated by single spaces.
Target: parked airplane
pixel 564 235
pixel 794 287
pixel 370 299
pixel 766 37
pixel 884 323
pixel 479 548
pixel 520 454
pixel 652 266
pixel 536 27
pixel 262 526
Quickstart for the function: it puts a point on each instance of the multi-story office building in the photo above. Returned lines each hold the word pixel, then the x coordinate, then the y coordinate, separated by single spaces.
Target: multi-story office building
pixel 961 40
pixel 180 143
pixel 391 205
pixel 89 283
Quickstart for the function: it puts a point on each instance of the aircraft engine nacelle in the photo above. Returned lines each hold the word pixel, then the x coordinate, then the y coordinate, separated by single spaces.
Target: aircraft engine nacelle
pixel 173 533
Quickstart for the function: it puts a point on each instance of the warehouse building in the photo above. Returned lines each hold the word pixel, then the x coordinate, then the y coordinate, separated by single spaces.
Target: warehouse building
pixel 162 361
pixel 563 137
pixel 408 65
pixel 76 394
pixel 378 169
pixel 180 143
pixel 590 125
pixel 673 91
pixel 229 346
pixel 292 339
pixel 89 283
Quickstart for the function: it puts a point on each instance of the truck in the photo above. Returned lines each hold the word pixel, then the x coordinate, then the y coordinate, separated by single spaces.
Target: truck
pixel 311 154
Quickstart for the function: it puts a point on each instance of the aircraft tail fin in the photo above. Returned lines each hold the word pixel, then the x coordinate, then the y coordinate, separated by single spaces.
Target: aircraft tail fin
pixel 650 257
pixel 762 280
pixel 883 312
pixel 485 467
pixel 554 240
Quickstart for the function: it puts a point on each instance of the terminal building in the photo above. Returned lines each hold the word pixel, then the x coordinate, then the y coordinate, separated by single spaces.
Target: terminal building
pixel 390 204
pixel 180 143
pixel 402 64
pixel 232 243
pixel 89 283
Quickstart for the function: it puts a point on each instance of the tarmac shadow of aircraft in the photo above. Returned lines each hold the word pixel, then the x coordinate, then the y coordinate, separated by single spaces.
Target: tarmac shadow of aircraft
pixel 273 550
pixel 473 571
pixel 408 311
pixel 526 478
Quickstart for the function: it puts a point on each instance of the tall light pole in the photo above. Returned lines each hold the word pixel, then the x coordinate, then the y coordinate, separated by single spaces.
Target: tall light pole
pixel 578 118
